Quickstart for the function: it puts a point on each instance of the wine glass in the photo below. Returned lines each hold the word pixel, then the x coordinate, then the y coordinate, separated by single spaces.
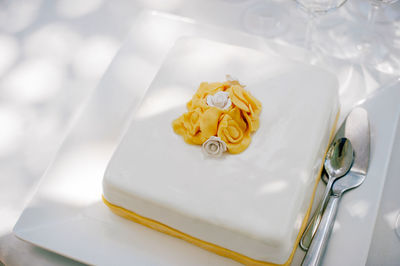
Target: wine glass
pixel 366 44
pixel 320 6
pixel 314 9
pixel 375 53
pixel 362 41
pixel 385 11
pixel 265 18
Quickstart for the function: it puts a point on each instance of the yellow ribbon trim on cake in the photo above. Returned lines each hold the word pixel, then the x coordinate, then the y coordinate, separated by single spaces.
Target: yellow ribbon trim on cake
pixel 153 224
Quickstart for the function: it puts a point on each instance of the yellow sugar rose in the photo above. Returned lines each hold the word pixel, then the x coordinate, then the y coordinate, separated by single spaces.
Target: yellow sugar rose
pixel 244 100
pixel 253 122
pixel 188 126
pixel 209 122
pixel 233 130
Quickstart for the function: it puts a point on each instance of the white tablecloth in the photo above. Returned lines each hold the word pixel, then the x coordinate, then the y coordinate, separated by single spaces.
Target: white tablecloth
pixel 53 54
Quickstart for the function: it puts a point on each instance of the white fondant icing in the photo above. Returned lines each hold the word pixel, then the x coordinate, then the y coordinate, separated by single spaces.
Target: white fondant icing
pixel 253 202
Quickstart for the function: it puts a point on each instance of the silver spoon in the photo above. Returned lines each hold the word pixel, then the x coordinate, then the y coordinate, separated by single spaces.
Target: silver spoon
pixel 339 159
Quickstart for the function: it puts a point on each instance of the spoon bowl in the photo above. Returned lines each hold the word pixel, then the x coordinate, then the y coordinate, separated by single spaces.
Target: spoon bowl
pixel 339 158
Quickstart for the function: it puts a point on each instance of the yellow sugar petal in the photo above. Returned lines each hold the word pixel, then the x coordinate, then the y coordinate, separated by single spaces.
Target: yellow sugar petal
pixel 236 148
pixel 209 122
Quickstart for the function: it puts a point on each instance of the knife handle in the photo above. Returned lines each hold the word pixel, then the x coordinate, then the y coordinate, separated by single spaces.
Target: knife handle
pixel 318 245
pixel 312 226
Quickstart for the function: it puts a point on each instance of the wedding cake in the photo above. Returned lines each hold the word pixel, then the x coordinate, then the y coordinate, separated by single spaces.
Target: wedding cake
pixel 250 204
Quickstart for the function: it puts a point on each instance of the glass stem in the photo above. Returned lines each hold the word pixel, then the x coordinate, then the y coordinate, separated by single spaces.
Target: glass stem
pixel 366 46
pixel 309 32
pixel 375 7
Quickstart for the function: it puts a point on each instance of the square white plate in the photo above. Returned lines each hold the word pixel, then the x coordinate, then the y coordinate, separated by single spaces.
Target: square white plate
pixel 67 216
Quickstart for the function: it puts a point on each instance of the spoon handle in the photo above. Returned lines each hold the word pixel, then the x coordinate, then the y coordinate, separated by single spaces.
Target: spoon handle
pixel 315 220
pixel 318 245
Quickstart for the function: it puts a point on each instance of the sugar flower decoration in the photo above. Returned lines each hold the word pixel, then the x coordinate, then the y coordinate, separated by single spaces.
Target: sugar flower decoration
pixel 221 117
pixel 214 147
pixel 220 100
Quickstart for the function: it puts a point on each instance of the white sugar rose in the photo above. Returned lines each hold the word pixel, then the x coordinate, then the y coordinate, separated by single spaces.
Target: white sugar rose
pixel 220 100
pixel 214 147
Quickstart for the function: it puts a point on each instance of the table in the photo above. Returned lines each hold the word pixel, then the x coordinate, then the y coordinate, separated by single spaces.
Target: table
pixel 51 64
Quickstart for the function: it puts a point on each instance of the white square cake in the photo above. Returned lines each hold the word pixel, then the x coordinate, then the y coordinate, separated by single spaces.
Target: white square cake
pixel 250 206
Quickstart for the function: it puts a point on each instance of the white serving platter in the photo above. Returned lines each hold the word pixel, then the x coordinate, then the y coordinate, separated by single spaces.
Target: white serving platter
pixel 66 214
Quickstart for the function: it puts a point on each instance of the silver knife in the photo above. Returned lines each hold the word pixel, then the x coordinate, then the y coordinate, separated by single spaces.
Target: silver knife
pixel 357 130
